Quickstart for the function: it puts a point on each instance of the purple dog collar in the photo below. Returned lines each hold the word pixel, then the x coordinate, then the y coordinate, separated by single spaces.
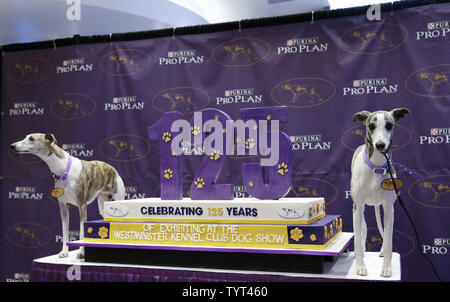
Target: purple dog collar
pixel 379 170
pixel 66 172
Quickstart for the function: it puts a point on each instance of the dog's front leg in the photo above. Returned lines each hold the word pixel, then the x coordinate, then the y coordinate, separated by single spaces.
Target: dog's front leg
pixel 83 217
pixel 358 217
pixel 64 211
pixel 388 209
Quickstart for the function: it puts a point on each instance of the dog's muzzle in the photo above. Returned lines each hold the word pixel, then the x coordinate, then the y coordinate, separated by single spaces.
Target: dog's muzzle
pixel 380 146
pixel 12 147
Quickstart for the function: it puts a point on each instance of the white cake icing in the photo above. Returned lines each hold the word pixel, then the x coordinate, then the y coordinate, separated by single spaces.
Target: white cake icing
pixel 241 210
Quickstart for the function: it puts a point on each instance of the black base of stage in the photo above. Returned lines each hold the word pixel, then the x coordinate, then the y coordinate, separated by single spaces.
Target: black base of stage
pixel 207 259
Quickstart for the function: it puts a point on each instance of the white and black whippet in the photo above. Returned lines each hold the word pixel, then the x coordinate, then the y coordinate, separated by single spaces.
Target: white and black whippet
pixel 369 170
pixel 77 182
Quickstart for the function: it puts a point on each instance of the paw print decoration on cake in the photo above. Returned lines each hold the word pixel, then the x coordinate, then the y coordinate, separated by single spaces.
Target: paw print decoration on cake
pixel 168 174
pixel 215 155
pixel 199 183
pixel 282 169
pixel 167 137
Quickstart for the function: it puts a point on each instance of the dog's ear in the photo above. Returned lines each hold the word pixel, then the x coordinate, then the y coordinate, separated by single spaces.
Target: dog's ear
pixel 50 138
pixel 361 116
pixel 399 113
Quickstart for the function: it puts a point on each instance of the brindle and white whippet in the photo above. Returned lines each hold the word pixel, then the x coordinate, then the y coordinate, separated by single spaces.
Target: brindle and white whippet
pixel 369 170
pixel 77 182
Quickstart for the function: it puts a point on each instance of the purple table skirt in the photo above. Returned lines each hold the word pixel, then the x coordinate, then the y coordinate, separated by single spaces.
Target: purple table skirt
pixel 46 272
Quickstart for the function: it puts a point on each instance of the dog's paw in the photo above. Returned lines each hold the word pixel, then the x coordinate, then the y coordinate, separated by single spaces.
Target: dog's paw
pixel 361 270
pixel 63 254
pixel 381 253
pixel 386 272
pixel 80 255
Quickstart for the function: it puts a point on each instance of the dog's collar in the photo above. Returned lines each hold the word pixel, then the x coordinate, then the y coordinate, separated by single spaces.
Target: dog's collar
pixel 66 172
pixel 379 170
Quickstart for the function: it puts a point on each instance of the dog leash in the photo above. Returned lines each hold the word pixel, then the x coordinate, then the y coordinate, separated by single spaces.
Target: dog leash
pixel 66 172
pixel 397 192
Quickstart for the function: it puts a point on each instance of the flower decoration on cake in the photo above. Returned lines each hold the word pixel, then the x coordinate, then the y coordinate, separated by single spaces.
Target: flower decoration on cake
pixel 103 232
pixel 250 183
pixel 199 183
pixel 249 143
pixel 167 137
pixel 90 230
pixel 215 155
pixel 268 117
pixel 296 234
pixel 195 130
pixel 168 173
pixel 216 117
pixel 313 237
pixel 282 168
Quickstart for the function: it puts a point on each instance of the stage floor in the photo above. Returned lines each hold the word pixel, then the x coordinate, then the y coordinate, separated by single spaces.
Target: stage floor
pixel 53 268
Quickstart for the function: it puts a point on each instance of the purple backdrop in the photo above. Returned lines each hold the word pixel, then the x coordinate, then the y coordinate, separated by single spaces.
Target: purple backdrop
pixel 98 100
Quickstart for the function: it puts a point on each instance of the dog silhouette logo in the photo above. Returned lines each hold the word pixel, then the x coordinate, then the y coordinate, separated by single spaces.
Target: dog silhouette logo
pixel 355 136
pixel 373 38
pixel 124 147
pixel 183 99
pixel 28 235
pixel 303 92
pixel 431 81
pixel 433 191
pixel 313 187
pixel 72 106
pixel 122 62
pixel 402 243
pixel 241 52
pixel 438 189
pixel 178 99
pixel 30 70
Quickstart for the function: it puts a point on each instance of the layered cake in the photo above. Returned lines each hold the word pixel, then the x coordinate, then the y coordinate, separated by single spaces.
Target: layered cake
pixel 293 223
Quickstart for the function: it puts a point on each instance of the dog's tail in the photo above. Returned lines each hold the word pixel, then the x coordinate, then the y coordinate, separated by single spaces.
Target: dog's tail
pixel 378 218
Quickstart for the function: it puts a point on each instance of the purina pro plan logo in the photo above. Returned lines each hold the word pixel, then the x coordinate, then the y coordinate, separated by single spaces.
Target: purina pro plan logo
pixel 371 86
pixel 440 246
pixel 25 193
pixel 302 45
pixel 26 108
pixel 78 150
pixel 309 142
pixel 245 95
pixel 181 57
pixel 132 192
pixel 437 136
pixel 434 30
pixel 74 65
pixel 124 103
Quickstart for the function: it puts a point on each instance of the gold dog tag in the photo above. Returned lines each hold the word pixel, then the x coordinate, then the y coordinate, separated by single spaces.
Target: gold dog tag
pixel 387 184
pixel 57 192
